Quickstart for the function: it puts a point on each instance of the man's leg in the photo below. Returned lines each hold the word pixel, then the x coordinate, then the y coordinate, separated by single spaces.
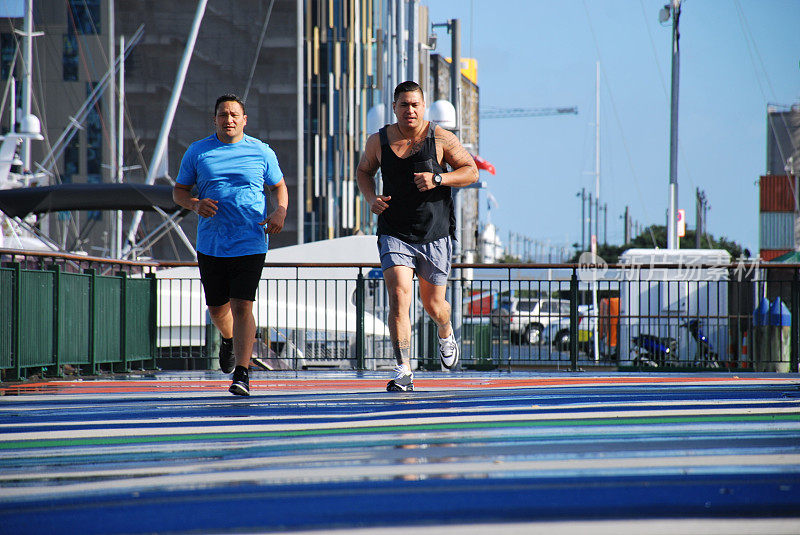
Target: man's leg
pixel 435 303
pixel 222 319
pixel 399 286
pixel 243 331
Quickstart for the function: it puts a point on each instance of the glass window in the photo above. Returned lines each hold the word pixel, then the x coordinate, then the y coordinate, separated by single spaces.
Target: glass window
pixel 8 47
pixel 69 60
pixel 94 136
pixel 83 16
pixel 72 160
pixel 94 146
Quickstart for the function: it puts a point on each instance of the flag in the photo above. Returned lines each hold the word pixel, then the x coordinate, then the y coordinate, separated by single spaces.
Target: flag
pixel 483 164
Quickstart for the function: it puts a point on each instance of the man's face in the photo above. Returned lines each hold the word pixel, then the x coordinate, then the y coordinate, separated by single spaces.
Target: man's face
pixel 230 121
pixel 409 108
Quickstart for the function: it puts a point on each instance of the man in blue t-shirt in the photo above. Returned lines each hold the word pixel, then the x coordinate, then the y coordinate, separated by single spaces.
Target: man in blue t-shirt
pixel 230 171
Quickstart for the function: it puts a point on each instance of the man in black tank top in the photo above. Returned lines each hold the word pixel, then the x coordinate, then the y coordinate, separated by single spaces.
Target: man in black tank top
pixel 416 219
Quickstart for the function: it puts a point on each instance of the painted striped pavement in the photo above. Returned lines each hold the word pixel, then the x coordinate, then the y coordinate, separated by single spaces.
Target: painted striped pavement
pixel 175 453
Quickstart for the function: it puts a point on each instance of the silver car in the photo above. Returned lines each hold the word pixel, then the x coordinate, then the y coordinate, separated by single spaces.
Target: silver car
pixel 524 319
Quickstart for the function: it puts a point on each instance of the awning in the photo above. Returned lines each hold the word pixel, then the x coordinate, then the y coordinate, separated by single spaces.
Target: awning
pixel 19 202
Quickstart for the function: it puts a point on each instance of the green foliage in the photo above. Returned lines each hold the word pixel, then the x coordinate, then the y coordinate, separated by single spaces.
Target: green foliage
pixel 509 259
pixel 656 236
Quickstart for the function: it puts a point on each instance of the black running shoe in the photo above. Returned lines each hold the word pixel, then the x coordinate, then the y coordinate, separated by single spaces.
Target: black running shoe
pixel 226 359
pixel 403 380
pixel 241 382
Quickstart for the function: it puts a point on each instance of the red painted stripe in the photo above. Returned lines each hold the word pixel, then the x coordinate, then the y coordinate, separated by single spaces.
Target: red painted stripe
pixel 101 387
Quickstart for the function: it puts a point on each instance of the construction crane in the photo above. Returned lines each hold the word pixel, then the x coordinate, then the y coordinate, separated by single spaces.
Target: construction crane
pixel 497 112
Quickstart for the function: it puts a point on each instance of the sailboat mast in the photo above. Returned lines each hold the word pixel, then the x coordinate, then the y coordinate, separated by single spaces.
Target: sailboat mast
pixel 27 78
pixel 119 155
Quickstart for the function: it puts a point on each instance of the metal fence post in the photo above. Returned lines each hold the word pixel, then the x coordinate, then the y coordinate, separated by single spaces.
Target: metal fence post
pixel 57 304
pixel 573 320
pixel 92 318
pixel 360 308
pixel 123 324
pixel 16 328
pixel 153 317
pixel 795 358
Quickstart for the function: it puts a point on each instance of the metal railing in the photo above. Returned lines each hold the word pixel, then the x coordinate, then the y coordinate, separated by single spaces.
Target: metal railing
pixel 506 316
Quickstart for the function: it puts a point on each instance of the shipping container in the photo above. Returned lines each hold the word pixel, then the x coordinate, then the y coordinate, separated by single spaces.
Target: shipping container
pixel 767 255
pixel 778 193
pixel 776 230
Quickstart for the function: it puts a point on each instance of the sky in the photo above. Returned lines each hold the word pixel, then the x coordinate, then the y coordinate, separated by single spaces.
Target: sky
pixel 736 57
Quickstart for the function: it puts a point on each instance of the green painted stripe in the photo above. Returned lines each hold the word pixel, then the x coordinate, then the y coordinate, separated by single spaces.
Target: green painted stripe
pixel 52 443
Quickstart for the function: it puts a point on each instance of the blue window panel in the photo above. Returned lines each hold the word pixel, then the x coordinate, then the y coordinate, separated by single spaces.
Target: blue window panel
pixel 8 47
pixel 69 59
pixel 94 137
pixel 72 160
pixel 83 16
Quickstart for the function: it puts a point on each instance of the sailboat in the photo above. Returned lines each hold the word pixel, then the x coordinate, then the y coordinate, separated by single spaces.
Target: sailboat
pixel 38 205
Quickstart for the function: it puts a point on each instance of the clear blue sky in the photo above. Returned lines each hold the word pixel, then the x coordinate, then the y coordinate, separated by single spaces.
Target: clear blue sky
pixel 736 57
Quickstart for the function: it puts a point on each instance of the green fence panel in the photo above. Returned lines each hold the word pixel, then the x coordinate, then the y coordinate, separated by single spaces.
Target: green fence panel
pixel 36 346
pixel 6 317
pixel 107 319
pixel 74 318
pixel 139 320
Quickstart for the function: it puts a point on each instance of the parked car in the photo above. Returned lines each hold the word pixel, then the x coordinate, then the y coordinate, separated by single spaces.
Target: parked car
pixel 525 318
pixel 557 333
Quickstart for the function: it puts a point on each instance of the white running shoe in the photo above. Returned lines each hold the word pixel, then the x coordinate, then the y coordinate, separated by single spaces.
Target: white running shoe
pixel 403 380
pixel 448 351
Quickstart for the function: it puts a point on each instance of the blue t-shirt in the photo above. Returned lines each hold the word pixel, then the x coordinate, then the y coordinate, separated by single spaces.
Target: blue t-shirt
pixel 234 175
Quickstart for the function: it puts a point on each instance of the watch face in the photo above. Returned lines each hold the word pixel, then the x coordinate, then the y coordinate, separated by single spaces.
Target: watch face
pixel 437 179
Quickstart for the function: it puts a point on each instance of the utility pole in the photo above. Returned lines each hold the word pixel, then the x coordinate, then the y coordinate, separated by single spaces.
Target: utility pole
pixel 589 220
pixel 626 229
pixel 582 195
pixel 596 159
pixel 701 215
pixel 673 9
pixel 605 223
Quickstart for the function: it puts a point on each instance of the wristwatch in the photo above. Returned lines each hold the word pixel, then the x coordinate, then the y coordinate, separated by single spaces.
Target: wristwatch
pixel 437 179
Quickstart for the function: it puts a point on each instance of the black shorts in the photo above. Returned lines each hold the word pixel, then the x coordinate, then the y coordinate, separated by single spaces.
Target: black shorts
pixel 234 277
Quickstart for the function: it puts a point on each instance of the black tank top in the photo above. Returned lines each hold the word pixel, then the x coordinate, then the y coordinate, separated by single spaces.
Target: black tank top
pixel 414 216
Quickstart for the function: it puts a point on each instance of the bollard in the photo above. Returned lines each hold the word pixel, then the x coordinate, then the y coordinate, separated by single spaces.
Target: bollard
pixel 779 325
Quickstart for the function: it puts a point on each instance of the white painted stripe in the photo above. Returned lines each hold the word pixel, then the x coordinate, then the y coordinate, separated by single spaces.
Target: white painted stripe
pixel 654 526
pixel 687 464
pixel 633 406
pixel 188 468
pixel 614 433
pixel 355 423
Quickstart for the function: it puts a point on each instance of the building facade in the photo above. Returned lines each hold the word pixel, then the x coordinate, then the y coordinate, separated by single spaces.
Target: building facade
pixel 309 70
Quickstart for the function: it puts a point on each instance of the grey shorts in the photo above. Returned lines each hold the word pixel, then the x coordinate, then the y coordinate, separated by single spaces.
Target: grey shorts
pixel 431 260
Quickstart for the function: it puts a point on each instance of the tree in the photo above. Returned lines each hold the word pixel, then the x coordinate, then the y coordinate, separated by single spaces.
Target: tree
pixel 656 236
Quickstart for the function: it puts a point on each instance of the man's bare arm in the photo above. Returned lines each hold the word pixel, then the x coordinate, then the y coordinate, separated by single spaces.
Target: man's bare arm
pixel 464 172
pixel 365 175
pixel 275 221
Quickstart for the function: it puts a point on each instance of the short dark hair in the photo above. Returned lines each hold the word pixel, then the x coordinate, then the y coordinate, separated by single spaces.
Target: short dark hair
pixel 228 97
pixel 407 87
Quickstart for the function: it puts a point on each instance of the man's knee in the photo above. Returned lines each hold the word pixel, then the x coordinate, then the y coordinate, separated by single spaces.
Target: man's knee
pixel 241 307
pixel 399 297
pixel 219 311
